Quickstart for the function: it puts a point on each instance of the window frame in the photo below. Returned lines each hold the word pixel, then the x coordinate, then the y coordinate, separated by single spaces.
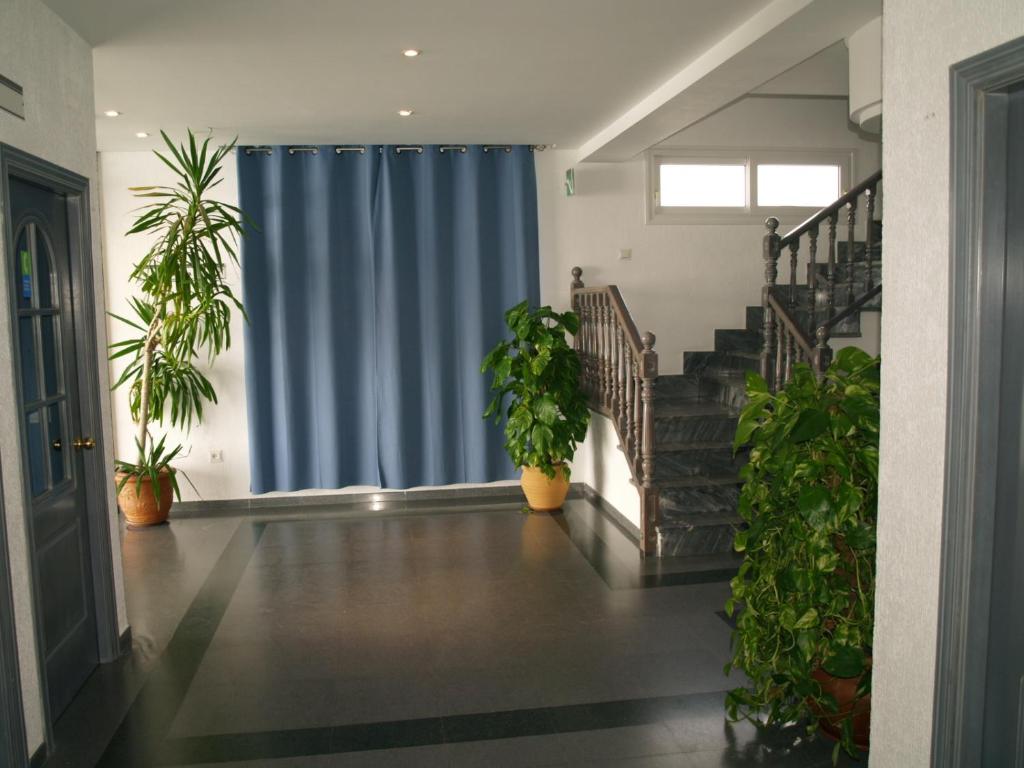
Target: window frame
pixel 751 213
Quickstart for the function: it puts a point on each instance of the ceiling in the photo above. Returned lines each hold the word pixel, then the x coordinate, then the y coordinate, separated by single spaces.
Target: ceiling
pixel 332 71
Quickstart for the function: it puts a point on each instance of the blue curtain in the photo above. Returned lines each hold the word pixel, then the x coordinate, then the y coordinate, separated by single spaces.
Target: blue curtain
pixel 374 285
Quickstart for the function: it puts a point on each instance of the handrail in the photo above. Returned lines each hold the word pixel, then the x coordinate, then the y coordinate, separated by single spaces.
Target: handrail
pixel 830 292
pixel 791 325
pixel 618 369
pixel 629 328
pixel 828 211
pixel 851 310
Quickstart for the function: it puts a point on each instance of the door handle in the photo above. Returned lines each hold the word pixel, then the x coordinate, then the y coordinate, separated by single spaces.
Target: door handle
pixel 57 444
pixel 83 442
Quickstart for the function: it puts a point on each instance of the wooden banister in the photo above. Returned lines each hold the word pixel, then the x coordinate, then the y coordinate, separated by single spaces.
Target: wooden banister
pixel 619 368
pixel 786 338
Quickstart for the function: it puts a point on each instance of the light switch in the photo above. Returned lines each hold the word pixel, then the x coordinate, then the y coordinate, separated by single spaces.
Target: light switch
pixel 625 254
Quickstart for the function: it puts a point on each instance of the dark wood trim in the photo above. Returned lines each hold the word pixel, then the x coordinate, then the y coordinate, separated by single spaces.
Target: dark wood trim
pixel 12 713
pixel 14 162
pixel 39 757
pixel 794 234
pixel 977 229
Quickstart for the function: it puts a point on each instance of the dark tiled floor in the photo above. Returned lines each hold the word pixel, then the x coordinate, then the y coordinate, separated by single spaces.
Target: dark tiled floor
pixel 467 637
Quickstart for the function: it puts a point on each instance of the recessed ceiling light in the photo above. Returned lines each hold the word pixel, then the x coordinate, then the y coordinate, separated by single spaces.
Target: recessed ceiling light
pixel 141 135
pixel 112 113
pixel 405 112
pixel 411 53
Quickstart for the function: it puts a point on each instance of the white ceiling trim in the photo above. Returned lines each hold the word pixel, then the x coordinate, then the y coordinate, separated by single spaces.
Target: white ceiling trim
pixel 777 38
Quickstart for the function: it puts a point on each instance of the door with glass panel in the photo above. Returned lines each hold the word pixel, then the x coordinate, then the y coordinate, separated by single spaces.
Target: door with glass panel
pixel 42 295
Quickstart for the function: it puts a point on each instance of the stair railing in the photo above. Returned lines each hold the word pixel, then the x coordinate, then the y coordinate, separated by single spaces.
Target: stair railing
pixel 787 340
pixel 619 368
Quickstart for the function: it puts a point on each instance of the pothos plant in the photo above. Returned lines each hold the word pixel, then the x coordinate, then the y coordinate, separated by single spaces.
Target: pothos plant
pixel 185 303
pixel 539 373
pixel 804 594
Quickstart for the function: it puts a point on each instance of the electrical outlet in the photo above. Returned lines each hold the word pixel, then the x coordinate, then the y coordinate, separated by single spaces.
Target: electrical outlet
pixel 216 456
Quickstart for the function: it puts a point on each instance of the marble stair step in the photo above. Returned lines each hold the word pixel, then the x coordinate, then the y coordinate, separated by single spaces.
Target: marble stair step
pixel 860 250
pixel 696 460
pixel 699 362
pixel 737 340
pixel 858 269
pixel 682 540
pixel 706 422
pixel 698 499
pixel 675 387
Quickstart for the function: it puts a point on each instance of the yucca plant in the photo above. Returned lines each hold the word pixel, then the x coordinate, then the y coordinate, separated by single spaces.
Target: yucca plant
pixel 185 304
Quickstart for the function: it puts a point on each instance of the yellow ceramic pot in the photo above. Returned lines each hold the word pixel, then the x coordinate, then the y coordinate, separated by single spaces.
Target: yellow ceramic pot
pixel 543 493
pixel 145 508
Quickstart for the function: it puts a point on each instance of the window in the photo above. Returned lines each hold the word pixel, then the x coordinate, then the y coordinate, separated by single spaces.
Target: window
pixel 739 186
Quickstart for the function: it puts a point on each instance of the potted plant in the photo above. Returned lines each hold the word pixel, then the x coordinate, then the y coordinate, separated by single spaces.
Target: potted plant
pixel 804 594
pixel 184 308
pixel 547 413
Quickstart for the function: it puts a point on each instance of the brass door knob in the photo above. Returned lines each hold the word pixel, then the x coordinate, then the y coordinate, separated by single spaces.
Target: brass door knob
pixel 83 442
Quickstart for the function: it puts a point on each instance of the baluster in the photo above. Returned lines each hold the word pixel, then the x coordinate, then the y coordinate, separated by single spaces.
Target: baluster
pixel 620 378
pixel 830 273
pixel 614 388
pixel 607 339
pixel 851 239
pixel 605 353
pixel 627 404
pixel 790 354
pixel 649 372
pixel 793 248
pixel 869 239
pixel 780 357
pixel 599 360
pixel 637 413
pixel 770 254
pixel 822 352
pixel 591 348
pixel 584 350
pixel 812 272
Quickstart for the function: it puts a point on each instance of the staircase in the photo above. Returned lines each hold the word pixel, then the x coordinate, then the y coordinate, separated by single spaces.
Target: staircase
pixel 688 477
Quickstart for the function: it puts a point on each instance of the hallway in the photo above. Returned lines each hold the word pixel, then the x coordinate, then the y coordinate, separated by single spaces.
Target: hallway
pixel 463 635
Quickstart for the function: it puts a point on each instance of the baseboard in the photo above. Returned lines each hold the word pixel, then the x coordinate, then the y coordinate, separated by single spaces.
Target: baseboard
pixel 38 757
pixel 620 521
pixel 124 642
pixel 376 501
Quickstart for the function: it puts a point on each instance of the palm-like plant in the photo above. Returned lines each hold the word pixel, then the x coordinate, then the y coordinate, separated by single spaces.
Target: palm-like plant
pixel 185 306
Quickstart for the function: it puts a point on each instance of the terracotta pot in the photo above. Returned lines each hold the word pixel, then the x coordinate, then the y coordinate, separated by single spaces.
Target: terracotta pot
pixel 543 493
pixel 145 508
pixel 844 690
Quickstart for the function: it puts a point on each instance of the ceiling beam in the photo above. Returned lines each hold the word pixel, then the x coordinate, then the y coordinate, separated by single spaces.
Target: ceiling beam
pixel 780 36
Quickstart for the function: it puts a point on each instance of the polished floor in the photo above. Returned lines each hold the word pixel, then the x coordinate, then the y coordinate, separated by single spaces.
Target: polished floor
pixel 466 635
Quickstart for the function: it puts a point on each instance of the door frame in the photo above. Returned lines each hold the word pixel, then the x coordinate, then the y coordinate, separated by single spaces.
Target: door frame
pixel 12 713
pixel 14 162
pixel 978 195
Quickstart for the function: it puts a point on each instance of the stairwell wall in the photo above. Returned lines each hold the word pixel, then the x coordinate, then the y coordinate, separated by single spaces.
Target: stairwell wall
pixel 683 281
pixel 921 40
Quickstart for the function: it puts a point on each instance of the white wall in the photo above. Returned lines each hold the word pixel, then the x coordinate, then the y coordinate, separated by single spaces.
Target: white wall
pixel 225 425
pixel 921 40
pixel 54 65
pixel 683 280
pixel 601 464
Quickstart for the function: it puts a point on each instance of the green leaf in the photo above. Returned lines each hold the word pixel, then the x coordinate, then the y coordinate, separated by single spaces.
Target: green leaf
pixel 845 661
pixel 809 424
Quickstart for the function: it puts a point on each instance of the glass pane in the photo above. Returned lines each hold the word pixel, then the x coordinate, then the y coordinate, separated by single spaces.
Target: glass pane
pixel 51 354
pixel 44 273
pixel 23 269
pixel 58 458
pixel 27 345
pixel 703 186
pixel 36 451
pixel 808 186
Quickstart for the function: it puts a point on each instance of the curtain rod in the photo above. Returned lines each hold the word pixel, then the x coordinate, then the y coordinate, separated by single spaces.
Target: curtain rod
pixel 361 148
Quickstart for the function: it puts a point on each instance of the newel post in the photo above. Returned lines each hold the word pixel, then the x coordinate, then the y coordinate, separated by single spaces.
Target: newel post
pixel 822 352
pixel 770 253
pixel 649 496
